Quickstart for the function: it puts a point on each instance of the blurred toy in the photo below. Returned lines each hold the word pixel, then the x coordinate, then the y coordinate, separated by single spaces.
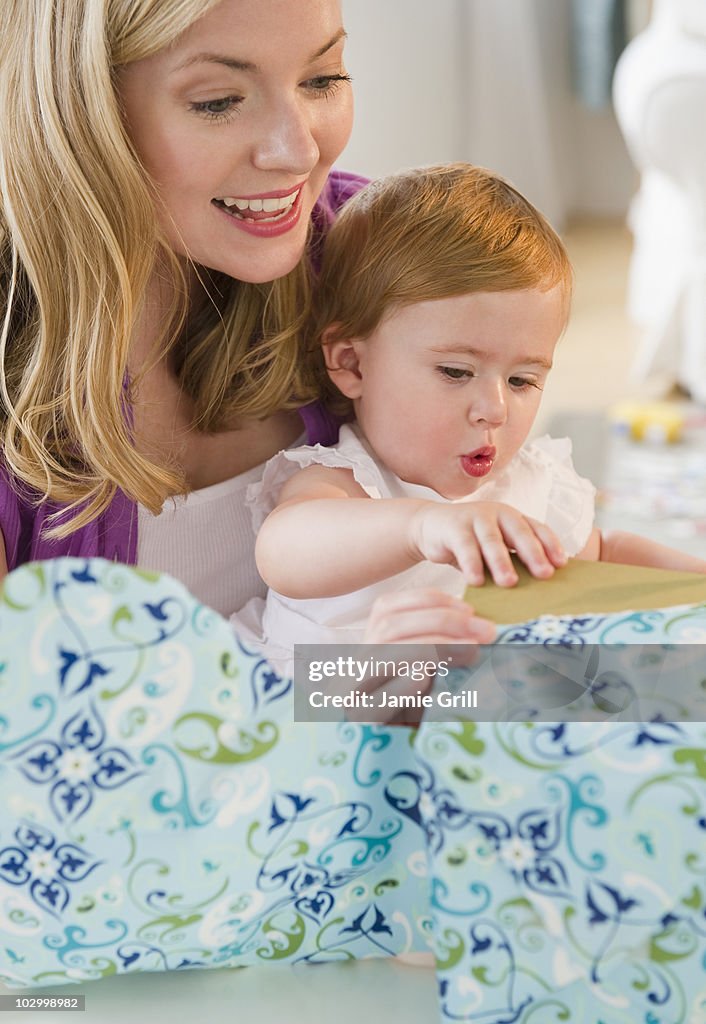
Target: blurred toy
pixel 660 422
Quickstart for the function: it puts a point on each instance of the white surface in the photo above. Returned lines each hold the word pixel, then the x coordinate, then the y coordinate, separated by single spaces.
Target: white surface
pixel 371 991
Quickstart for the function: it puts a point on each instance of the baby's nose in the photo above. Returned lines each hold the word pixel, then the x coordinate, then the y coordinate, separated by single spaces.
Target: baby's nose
pixel 489 405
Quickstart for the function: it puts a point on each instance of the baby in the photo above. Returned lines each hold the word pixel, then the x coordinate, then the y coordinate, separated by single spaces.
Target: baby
pixel 443 294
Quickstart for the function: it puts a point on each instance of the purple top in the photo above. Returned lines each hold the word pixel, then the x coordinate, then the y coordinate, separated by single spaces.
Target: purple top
pixel 113 534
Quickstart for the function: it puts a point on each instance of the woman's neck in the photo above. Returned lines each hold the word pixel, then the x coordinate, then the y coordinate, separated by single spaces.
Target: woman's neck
pixel 163 415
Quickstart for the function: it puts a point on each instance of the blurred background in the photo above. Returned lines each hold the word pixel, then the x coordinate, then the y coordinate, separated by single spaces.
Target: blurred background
pixel 615 160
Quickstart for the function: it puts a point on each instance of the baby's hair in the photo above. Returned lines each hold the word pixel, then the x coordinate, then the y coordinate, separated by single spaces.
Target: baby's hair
pixel 79 242
pixel 431 233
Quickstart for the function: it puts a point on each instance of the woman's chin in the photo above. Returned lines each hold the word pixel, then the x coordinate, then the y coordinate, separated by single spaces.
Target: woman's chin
pixel 260 270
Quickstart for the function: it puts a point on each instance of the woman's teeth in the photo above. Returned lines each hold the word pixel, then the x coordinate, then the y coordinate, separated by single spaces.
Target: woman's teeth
pixel 240 207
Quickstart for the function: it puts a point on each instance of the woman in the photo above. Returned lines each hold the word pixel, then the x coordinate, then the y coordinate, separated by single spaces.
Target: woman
pixel 162 196
pixel 141 286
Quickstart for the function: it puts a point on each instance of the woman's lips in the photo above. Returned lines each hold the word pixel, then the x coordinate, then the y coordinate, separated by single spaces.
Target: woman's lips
pixel 480 462
pixel 263 223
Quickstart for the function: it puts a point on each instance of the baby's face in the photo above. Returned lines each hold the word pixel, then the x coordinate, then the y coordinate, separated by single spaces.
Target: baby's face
pixel 450 388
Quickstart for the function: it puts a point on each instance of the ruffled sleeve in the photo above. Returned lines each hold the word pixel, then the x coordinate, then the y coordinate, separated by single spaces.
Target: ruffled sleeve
pixel 349 454
pixel 571 499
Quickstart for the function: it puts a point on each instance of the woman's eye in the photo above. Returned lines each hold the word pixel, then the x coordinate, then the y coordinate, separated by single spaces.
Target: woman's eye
pixel 217 109
pixel 326 84
pixel 455 372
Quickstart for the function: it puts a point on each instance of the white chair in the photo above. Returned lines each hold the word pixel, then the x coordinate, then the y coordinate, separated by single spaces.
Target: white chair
pixel 660 101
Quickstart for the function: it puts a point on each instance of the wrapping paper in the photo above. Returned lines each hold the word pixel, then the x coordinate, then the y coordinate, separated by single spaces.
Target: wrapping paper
pixel 159 810
pixel 568 859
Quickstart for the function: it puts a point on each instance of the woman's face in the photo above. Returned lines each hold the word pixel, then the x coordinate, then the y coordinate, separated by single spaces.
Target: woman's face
pixel 238 124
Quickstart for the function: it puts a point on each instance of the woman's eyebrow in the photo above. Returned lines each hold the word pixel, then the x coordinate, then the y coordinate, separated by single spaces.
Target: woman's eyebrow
pixel 341 34
pixel 245 65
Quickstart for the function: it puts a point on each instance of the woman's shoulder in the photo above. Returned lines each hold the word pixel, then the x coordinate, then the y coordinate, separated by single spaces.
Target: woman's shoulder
pixel 340 186
pixel 13 513
pixel 25 518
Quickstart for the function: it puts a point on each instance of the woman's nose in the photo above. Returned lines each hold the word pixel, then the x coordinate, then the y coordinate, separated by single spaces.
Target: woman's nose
pixel 286 141
pixel 489 404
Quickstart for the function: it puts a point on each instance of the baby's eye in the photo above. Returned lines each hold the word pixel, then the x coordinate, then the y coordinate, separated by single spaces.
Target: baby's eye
pixel 523 383
pixel 217 109
pixel 454 372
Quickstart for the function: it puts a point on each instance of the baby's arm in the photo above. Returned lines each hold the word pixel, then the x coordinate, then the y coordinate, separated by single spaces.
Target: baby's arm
pixel 327 537
pixel 631 549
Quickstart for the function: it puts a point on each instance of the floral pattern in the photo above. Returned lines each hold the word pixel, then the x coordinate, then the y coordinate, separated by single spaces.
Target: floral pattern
pixel 568 859
pixel 77 765
pixel 161 811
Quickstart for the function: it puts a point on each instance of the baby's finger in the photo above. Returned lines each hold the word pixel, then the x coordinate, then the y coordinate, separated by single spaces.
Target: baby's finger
pixel 551 543
pixel 415 597
pixel 391 608
pixel 520 535
pixel 483 631
pixel 416 626
pixel 495 551
pixel 432 614
pixel 468 557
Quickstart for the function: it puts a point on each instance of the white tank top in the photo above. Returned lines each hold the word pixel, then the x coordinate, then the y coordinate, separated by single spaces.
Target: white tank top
pixel 205 539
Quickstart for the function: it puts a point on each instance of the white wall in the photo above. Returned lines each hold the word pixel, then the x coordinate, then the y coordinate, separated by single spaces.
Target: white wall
pixel 486 81
pixel 405 57
pixel 595 174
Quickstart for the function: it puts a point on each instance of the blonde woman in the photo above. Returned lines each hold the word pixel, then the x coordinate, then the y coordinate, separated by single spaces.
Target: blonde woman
pixel 165 175
pixel 158 172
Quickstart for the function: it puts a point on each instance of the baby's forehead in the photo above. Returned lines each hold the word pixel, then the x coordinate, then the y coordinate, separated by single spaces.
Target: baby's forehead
pixel 554 297
pixel 523 325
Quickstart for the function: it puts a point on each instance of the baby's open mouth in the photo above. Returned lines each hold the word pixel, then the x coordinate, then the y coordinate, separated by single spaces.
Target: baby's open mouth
pixel 479 462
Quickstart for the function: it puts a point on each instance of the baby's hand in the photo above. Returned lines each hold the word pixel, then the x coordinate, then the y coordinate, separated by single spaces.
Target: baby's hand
pixel 473 534
pixel 429 623
pixel 425 616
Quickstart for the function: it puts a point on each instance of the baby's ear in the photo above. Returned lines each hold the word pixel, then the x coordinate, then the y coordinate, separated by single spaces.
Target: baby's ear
pixel 342 361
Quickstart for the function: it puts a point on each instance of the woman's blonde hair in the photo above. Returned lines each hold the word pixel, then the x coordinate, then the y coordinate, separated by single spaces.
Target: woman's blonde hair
pixel 430 233
pixel 79 242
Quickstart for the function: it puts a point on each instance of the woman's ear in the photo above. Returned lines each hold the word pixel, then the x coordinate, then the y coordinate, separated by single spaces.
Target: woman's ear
pixel 341 356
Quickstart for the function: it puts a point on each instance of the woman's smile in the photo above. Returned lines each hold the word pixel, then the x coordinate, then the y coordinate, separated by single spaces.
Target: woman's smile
pixel 267 215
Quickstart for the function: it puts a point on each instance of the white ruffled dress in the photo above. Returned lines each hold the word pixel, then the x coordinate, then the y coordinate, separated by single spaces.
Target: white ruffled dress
pixel 540 482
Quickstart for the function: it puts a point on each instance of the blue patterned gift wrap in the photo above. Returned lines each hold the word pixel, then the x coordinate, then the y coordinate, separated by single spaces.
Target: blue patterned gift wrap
pixel 159 810
pixel 568 860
